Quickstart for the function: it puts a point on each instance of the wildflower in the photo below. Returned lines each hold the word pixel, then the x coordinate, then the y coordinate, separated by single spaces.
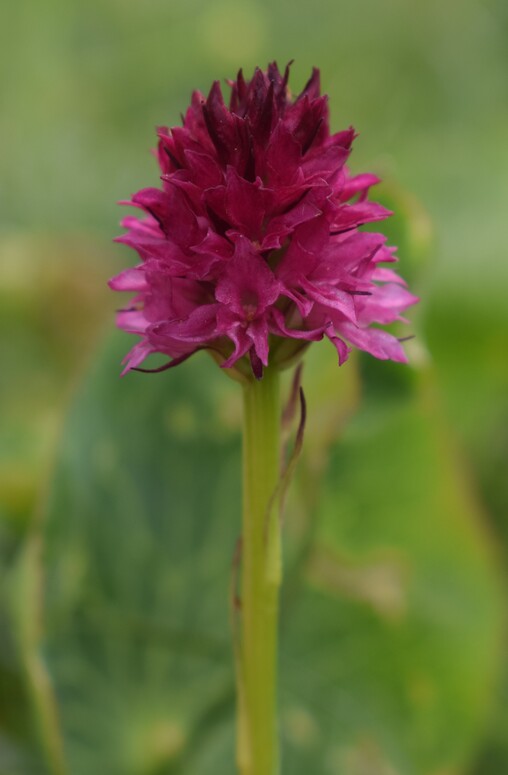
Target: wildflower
pixel 252 246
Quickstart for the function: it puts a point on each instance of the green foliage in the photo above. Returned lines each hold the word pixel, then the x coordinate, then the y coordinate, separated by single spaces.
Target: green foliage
pixel 391 610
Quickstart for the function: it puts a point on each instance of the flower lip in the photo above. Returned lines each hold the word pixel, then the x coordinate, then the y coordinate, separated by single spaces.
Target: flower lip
pixel 255 235
pixel 250 303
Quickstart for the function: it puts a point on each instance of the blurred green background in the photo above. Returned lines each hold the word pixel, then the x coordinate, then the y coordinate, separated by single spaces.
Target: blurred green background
pixel 119 499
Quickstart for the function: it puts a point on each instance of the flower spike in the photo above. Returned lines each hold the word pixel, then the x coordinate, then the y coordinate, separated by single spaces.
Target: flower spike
pixel 255 235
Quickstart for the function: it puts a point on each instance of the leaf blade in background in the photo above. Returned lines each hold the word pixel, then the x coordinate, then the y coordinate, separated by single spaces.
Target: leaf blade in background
pixel 138 539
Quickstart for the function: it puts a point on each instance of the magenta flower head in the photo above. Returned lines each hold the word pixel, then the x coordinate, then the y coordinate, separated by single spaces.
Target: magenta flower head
pixel 251 248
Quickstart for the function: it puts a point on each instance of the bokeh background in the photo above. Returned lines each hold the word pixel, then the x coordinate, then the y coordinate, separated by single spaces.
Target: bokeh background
pixel 119 498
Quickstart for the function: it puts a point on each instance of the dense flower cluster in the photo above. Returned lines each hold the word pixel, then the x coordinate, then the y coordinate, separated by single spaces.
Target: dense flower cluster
pixel 251 248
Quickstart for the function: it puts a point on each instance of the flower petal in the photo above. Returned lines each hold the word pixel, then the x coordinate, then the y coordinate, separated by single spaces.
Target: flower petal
pixel 375 341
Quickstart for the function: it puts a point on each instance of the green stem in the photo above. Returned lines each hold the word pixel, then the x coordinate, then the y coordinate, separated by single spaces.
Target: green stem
pixel 261 577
